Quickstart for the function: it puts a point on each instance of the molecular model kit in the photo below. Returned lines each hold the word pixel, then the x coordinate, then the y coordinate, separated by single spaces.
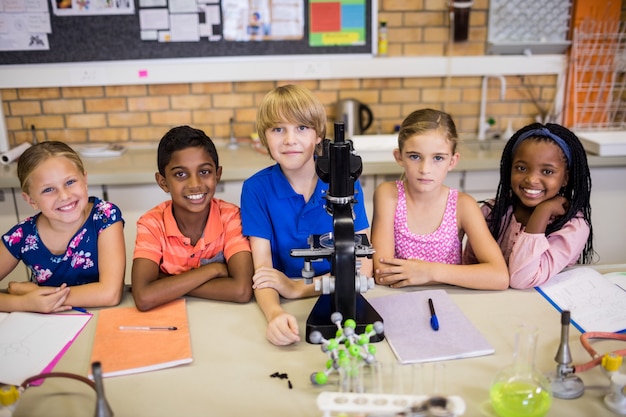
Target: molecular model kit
pixel 349 356
pixel 346 347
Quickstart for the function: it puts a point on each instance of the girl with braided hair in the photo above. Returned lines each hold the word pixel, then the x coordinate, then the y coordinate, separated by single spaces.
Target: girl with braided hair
pixel 541 215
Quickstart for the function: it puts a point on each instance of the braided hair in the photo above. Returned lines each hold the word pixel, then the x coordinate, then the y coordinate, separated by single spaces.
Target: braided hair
pixel 577 191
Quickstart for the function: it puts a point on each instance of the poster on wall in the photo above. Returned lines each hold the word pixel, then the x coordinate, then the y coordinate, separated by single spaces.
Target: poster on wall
pixel 92 7
pixel 340 22
pixel 215 20
pixel 68 31
pixel 24 25
pixel 263 20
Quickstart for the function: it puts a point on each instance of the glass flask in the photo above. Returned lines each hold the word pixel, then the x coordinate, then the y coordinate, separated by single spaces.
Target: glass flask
pixel 519 390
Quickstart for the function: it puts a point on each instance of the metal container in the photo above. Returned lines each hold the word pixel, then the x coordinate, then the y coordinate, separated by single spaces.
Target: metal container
pixel 356 116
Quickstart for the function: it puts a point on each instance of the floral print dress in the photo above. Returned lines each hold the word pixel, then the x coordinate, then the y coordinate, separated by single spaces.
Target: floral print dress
pixel 79 264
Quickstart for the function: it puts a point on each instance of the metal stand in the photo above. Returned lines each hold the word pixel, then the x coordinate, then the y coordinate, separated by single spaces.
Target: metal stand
pixel 103 409
pixel 340 167
pixel 563 382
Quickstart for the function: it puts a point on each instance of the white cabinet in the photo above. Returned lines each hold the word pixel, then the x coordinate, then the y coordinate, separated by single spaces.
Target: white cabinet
pixel 608 199
pixel 482 185
pixel 368 183
pixel 229 191
pixel 8 219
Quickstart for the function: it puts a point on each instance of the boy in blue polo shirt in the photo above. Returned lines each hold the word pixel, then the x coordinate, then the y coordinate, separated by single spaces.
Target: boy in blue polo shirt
pixel 285 203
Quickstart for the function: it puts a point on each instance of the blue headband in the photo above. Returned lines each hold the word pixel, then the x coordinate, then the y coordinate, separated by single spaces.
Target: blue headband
pixel 544 132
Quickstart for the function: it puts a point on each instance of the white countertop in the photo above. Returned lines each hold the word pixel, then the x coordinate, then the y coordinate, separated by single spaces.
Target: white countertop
pixel 137 164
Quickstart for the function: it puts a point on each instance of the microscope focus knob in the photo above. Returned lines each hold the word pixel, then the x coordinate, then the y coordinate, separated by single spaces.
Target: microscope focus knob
pixel 325 284
pixel 364 284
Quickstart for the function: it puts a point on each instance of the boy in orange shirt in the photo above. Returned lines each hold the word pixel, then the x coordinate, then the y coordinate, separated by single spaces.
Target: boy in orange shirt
pixel 191 244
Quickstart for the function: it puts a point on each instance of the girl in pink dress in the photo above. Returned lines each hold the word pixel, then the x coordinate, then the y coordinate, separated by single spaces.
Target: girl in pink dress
pixel 419 223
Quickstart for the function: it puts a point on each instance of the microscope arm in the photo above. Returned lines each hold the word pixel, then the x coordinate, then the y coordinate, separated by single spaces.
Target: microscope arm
pixel 344 260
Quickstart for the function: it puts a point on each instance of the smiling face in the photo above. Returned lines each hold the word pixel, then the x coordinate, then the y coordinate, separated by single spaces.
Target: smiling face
pixel 58 188
pixel 538 172
pixel 191 177
pixel 426 159
pixel 292 145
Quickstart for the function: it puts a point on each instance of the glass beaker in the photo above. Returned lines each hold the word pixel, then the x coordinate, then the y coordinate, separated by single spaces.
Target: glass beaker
pixel 519 390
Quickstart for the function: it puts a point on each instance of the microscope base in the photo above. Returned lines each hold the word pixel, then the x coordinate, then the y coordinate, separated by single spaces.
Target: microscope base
pixel 319 318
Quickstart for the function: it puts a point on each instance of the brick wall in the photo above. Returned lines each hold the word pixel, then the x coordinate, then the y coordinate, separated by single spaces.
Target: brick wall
pixel 140 113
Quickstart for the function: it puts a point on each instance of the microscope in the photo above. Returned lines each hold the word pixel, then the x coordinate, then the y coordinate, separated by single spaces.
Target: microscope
pixel 342 291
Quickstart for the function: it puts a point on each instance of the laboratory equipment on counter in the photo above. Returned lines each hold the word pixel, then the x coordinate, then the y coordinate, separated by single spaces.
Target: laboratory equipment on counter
pixel 569 386
pixel 350 361
pixel 563 381
pixel 341 403
pixel 232 141
pixel 520 389
pixel 340 167
pixel 102 409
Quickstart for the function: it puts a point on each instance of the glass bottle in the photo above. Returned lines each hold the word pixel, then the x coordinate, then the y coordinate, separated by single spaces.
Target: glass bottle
pixel 382 38
pixel 519 390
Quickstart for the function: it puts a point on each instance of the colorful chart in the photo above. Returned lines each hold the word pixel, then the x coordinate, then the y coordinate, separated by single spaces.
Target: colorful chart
pixel 337 22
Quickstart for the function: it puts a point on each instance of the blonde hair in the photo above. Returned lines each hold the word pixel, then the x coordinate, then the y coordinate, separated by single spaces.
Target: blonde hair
pixel 290 103
pixel 36 154
pixel 426 120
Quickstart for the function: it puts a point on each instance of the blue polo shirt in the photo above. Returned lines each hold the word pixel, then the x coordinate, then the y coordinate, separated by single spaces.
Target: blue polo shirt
pixel 272 210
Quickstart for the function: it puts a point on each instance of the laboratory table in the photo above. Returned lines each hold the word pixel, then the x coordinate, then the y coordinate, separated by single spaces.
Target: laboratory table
pixel 233 362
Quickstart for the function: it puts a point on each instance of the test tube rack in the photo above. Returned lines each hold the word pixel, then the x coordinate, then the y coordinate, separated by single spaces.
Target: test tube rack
pixel 528 26
pixel 331 403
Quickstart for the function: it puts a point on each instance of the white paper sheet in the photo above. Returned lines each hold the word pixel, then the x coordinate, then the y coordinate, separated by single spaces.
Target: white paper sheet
pixel 32 342
pixel 595 304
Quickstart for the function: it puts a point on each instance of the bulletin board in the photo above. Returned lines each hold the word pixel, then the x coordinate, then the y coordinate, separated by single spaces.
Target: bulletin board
pixel 87 38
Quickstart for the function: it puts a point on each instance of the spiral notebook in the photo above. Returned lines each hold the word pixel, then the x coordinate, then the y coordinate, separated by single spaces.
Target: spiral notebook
pixel 406 317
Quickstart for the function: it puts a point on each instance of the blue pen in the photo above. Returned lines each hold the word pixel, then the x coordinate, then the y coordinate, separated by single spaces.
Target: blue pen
pixel 82 310
pixel 434 323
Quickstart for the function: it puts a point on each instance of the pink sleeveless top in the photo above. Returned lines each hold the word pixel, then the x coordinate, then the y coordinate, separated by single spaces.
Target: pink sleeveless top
pixel 442 246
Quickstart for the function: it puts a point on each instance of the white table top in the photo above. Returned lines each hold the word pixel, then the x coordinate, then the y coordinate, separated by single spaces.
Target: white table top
pixel 232 364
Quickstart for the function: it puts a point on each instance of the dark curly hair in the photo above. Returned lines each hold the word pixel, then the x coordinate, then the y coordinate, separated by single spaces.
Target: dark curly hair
pixel 577 191
pixel 183 137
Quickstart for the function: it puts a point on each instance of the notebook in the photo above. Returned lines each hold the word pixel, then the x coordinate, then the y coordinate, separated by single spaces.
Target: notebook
pixel 123 351
pixel 596 302
pixel 406 318
pixel 33 343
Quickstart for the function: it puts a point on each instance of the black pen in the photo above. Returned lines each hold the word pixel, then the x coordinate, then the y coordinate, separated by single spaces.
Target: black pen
pixel 434 323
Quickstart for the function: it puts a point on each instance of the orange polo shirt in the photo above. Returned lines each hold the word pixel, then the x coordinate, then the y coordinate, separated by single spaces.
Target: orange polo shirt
pixel 160 240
